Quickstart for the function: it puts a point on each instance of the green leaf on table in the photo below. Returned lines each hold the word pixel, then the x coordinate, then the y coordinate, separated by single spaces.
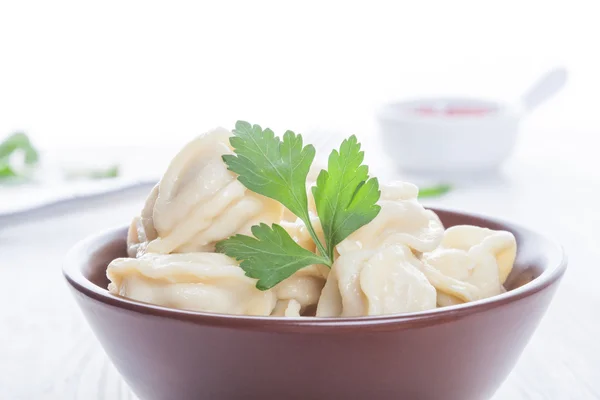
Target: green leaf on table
pixel 345 196
pixel 111 171
pixel 270 256
pixel 19 141
pixel 6 171
pixel 16 143
pixel 434 191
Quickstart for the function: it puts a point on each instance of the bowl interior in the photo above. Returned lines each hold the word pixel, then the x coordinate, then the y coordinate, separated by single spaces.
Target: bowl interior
pixel 95 269
pixel 535 254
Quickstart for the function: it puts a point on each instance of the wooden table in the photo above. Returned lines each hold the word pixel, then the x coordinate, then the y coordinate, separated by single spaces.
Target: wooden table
pixel 49 352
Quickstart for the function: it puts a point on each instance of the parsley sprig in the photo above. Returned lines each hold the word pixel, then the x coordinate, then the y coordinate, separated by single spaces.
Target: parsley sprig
pixel 345 196
pixel 270 256
pixel 345 199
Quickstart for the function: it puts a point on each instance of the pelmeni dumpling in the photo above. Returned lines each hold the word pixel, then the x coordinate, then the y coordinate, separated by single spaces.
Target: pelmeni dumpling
pixel 402 220
pixel 142 231
pixel 287 308
pixel 471 263
pixel 198 202
pixel 209 282
pixel 137 238
pixel 300 292
pixel 394 264
pixel 384 281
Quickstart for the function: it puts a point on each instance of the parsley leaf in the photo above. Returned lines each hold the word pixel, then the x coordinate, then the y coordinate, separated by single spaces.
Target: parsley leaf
pixel 345 196
pixel 271 167
pixel 270 256
pixel 274 168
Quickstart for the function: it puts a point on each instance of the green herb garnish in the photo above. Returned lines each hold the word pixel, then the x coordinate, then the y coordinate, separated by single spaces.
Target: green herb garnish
pixel 434 191
pixel 111 171
pixel 270 256
pixel 344 195
pixel 6 171
pixel 18 142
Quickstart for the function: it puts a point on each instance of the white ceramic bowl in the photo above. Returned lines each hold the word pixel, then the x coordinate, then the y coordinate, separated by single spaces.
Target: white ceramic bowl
pixel 448 135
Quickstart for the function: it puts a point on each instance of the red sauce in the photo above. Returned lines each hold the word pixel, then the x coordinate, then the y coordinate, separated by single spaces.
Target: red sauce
pixel 453 111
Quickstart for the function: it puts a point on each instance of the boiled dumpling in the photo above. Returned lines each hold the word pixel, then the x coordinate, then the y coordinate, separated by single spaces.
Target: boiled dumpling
pixel 208 282
pixel 142 231
pixel 303 288
pixel 137 239
pixel 384 281
pixel 471 263
pixel 198 202
pixel 402 220
pixel 287 308
pixel 402 261
pixel 399 190
pixel 211 282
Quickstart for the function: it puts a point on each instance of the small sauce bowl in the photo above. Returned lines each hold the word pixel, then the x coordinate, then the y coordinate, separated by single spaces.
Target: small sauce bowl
pixel 448 135
pixel 456 136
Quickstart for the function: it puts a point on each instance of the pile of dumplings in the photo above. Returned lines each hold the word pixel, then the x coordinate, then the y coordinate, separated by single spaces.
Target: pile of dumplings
pixel 402 261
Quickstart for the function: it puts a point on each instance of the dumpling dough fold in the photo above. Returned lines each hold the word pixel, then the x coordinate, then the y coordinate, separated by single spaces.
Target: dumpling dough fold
pixel 402 220
pixel 209 282
pixel 198 202
pixel 470 264
pixel 385 281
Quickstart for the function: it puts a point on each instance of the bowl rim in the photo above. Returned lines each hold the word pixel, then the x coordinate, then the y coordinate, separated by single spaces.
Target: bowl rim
pixel 79 255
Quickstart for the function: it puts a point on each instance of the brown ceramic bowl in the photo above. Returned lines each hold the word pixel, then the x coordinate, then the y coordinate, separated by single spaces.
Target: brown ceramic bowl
pixel 460 352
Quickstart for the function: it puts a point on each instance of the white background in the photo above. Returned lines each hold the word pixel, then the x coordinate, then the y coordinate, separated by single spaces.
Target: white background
pixel 142 72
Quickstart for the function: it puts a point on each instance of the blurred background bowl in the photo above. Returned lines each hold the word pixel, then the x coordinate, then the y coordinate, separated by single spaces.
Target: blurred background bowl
pixel 446 136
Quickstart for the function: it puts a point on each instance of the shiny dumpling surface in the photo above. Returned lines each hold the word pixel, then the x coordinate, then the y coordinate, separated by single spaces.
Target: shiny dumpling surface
pixel 303 288
pixel 287 308
pixel 402 220
pixel 471 263
pixel 209 282
pixel 383 281
pixel 198 202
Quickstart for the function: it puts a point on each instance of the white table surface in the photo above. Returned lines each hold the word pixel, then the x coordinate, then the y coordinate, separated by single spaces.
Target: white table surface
pixel 47 351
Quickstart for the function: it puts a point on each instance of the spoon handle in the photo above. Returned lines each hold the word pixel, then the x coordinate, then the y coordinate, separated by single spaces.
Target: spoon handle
pixel 546 87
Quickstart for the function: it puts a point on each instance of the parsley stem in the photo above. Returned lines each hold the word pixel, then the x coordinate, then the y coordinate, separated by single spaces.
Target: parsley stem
pixel 313 234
